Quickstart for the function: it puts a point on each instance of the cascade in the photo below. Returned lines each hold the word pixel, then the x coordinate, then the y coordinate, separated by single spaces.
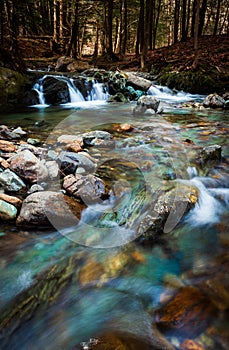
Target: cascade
pixel 98 92
pixel 208 208
pixel 170 96
pixel 38 87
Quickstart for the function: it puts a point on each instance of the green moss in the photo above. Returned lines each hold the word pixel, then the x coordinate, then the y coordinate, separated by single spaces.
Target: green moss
pixel 11 88
pixel 203 80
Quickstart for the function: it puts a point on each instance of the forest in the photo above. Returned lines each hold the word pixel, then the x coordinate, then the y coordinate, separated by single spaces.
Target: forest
pixel 108 28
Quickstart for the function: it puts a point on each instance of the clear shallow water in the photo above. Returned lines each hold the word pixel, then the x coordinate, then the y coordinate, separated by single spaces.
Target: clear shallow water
pixel 92 292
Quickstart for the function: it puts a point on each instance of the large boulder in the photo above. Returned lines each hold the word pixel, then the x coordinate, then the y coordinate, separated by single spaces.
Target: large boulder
pixel 168 209
pixel 214 101
pixel 71 162
pixel 146 102
pixel 137 82
pixel 55 90
pixel 48 208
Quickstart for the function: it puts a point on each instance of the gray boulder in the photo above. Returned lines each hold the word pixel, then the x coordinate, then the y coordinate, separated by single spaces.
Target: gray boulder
pixel 146 102
pixel 138 82
pixel 214 101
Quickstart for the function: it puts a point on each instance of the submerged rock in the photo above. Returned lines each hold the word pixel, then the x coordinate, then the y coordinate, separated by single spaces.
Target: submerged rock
pixel 187 314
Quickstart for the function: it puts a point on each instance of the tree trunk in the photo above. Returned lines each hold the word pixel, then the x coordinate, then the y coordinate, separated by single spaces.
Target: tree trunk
pixel 55 22
pixel 140 29
pixel 96 47
pixel 196 32
pixel 202 16
pixel 146 36
pixel 176 21
pixel 124 35
pixel 156 23
pixel 72 46
pixel 183 21
pixel 217 18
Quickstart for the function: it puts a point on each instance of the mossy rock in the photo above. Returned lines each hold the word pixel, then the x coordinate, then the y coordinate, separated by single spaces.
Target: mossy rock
pixel 199 81
pixel 12 86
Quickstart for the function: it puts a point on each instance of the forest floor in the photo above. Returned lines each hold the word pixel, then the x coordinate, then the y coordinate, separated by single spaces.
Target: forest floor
pixel 213 52
pixel 171 65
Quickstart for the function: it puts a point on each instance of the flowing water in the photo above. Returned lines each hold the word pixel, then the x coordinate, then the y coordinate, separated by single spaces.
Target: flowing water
pixel 67 291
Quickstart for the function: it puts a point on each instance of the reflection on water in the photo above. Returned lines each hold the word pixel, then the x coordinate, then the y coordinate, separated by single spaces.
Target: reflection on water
pixel 56 294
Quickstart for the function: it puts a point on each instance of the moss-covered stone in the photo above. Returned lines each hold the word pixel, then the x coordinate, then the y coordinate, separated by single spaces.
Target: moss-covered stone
pixel 202 81
pixel 12 86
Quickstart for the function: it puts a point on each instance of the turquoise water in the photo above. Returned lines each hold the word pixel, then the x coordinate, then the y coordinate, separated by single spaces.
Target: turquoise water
pixel 92 292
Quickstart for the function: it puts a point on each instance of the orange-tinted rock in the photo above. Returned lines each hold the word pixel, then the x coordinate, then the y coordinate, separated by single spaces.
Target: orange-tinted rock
pixel 7 146
pixel 74 147
pixel 11 199
pixel 189 312
pixel 189 344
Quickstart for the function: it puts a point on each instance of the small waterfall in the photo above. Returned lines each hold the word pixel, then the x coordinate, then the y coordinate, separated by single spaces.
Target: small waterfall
pixel 98 92
pixel 74 93
pixel 192 171
pixel 207 210
pixel 38 87
pixel 170 96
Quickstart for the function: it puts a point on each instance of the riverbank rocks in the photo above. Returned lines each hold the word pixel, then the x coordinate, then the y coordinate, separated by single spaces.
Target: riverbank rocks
pixel 10 181
pixel 7 146
pixel 48 208
pixel 89 188
pixel 11 200
pixel 7 211
pixel 26 165
pixel 214 101
pixel 7 134
pixel 146 102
